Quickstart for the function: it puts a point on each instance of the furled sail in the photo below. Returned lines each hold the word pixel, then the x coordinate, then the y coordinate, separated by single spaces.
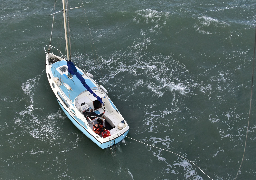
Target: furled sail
pixel 73 71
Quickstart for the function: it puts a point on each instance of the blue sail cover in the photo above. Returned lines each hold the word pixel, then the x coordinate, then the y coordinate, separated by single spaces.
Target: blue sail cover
pixel 72 70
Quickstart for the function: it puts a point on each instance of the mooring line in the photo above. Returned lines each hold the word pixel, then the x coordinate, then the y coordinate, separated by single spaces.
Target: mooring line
pixel 246 136
pixel 172 153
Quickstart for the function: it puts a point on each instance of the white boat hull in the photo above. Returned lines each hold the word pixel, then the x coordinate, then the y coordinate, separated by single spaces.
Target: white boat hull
pixel 71 96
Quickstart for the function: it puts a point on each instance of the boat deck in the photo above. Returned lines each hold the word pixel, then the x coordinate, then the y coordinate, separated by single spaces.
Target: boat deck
pixel 60 70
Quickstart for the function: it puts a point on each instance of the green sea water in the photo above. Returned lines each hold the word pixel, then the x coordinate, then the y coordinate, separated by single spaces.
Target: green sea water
pixel 178 71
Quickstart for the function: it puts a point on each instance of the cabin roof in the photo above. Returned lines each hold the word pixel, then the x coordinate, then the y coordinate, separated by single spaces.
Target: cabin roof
pixel 59 69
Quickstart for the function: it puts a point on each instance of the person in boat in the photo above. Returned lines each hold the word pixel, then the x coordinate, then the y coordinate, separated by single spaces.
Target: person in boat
pixel 91 114
pixel 100 121
pixel 98 128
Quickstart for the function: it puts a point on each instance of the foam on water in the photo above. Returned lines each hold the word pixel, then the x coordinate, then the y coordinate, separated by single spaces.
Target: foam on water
pixel 178 73
pixel 154 17
pixel 206 23
pixel 44 127
pixel 160 75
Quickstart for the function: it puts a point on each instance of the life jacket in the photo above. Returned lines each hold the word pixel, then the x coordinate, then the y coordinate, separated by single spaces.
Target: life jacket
pixel 105 133
pixel 98 129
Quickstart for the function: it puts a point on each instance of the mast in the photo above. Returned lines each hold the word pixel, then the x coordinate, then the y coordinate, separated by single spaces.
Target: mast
pixel 65 27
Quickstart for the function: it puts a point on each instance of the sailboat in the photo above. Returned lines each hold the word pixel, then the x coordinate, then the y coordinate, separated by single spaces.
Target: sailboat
pixel 85 102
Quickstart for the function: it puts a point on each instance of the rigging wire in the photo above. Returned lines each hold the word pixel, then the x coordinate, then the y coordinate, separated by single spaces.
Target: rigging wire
pixel 246 137
pixel 50 43
pixel 53 21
